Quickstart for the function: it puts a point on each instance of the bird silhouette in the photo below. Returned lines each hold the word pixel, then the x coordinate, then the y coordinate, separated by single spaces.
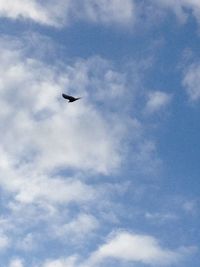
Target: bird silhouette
pixel 70 98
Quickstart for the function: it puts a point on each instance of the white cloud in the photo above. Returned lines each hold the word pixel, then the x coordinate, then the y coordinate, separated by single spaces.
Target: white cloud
pixel 181 8
pixel 157 100
pixel 191 82
pixel 62 12
pixel 83 225
pixel 108 12
pixel 124 246
pixel 69 262
pixel 23 9
pixel 29 188
pixel 51 134
pixel 16 263
pixel 127 247
pixel 43 139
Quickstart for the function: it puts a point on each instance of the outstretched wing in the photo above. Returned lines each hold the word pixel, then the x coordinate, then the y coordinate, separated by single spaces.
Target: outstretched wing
pixel 70 98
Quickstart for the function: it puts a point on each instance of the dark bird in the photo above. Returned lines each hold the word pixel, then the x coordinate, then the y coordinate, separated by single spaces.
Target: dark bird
pixel 70 98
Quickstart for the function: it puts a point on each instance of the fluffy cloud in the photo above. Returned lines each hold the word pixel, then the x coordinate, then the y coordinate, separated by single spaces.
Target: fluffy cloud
pixel 126 247
pixel 16 263
pixel 63 12
pixel 191 82
pixel 156 101
pixel 51 134
pixel 48 146
pixel 45 141
pixel 41 188
pixel 146 249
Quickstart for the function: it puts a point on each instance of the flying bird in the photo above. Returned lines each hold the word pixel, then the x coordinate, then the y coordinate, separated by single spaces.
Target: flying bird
pixel 70 98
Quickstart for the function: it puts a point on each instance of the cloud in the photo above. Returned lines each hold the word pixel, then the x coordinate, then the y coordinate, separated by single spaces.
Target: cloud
pixel 125 246
pixel 190 206
pixel 108 12
pixel 181 8
pixel 42 189
pixel 44 138
pixel 48 146
pixel 160 217
pixel 191 82
pixel 24 9
pixel 16 263
pixel 27 243
pixel 83 225
pixel 51 14
pixel 4 242
pixel 80 136
pixel 51 150
pixel 63 12
pixel 157 100
pixel 69 262
pixel 146 159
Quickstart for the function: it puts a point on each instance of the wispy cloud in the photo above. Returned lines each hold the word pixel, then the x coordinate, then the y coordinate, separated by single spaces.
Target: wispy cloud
pixel 181 8
pixel 160 217
pixel 156 101
pixel 16 263
pixel 4 241
pixel 108 12
pixel 47 13
pixel 77 229
pixel 127 247
pixel 191 81
pixel 104 12
pixel 69 262
pixel 64 12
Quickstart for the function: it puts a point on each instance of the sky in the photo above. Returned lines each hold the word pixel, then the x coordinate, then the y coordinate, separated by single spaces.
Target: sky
pixel 111 179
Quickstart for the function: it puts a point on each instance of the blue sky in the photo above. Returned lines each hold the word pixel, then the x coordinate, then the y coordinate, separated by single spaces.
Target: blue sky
pixel 112 179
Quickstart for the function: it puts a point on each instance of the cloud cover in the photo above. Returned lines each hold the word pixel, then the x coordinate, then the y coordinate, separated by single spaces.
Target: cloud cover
pixel 63 12
pixel 106 12
pixel 65 199
pixel 182 8
pixel 81 136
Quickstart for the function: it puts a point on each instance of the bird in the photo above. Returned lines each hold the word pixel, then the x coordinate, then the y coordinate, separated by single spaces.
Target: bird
pixel 70 98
